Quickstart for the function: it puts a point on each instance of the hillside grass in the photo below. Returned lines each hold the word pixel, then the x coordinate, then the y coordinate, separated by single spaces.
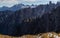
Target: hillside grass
pixel 43 35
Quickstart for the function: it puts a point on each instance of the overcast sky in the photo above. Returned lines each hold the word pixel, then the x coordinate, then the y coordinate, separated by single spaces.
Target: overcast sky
pixel 10 3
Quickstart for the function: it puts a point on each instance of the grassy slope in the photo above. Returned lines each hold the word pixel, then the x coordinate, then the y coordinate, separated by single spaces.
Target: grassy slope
pixel 44 35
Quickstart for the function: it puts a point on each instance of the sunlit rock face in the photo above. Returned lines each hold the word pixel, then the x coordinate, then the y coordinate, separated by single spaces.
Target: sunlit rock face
pixel 43 35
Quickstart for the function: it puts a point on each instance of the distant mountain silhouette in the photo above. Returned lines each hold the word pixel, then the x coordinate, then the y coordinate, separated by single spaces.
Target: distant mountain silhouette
pixel 40 8
pixel 13 8
pixel 16 7
pixel 3 8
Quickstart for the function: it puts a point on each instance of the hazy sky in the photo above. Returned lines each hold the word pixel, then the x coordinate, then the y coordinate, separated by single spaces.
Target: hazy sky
pixel 10 3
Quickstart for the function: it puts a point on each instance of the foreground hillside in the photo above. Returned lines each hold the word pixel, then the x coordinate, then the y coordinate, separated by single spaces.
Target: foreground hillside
pixel 42 35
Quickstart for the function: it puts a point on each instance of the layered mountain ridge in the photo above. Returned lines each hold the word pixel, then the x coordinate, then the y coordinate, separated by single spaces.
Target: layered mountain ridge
pixel 43 18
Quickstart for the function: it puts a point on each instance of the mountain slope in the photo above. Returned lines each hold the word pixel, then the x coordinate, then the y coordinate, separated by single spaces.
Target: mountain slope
pixel 30 21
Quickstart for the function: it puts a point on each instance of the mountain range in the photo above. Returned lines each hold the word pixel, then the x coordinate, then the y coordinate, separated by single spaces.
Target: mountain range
pixel 21 6
pixel 30 20
pixel 16 7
